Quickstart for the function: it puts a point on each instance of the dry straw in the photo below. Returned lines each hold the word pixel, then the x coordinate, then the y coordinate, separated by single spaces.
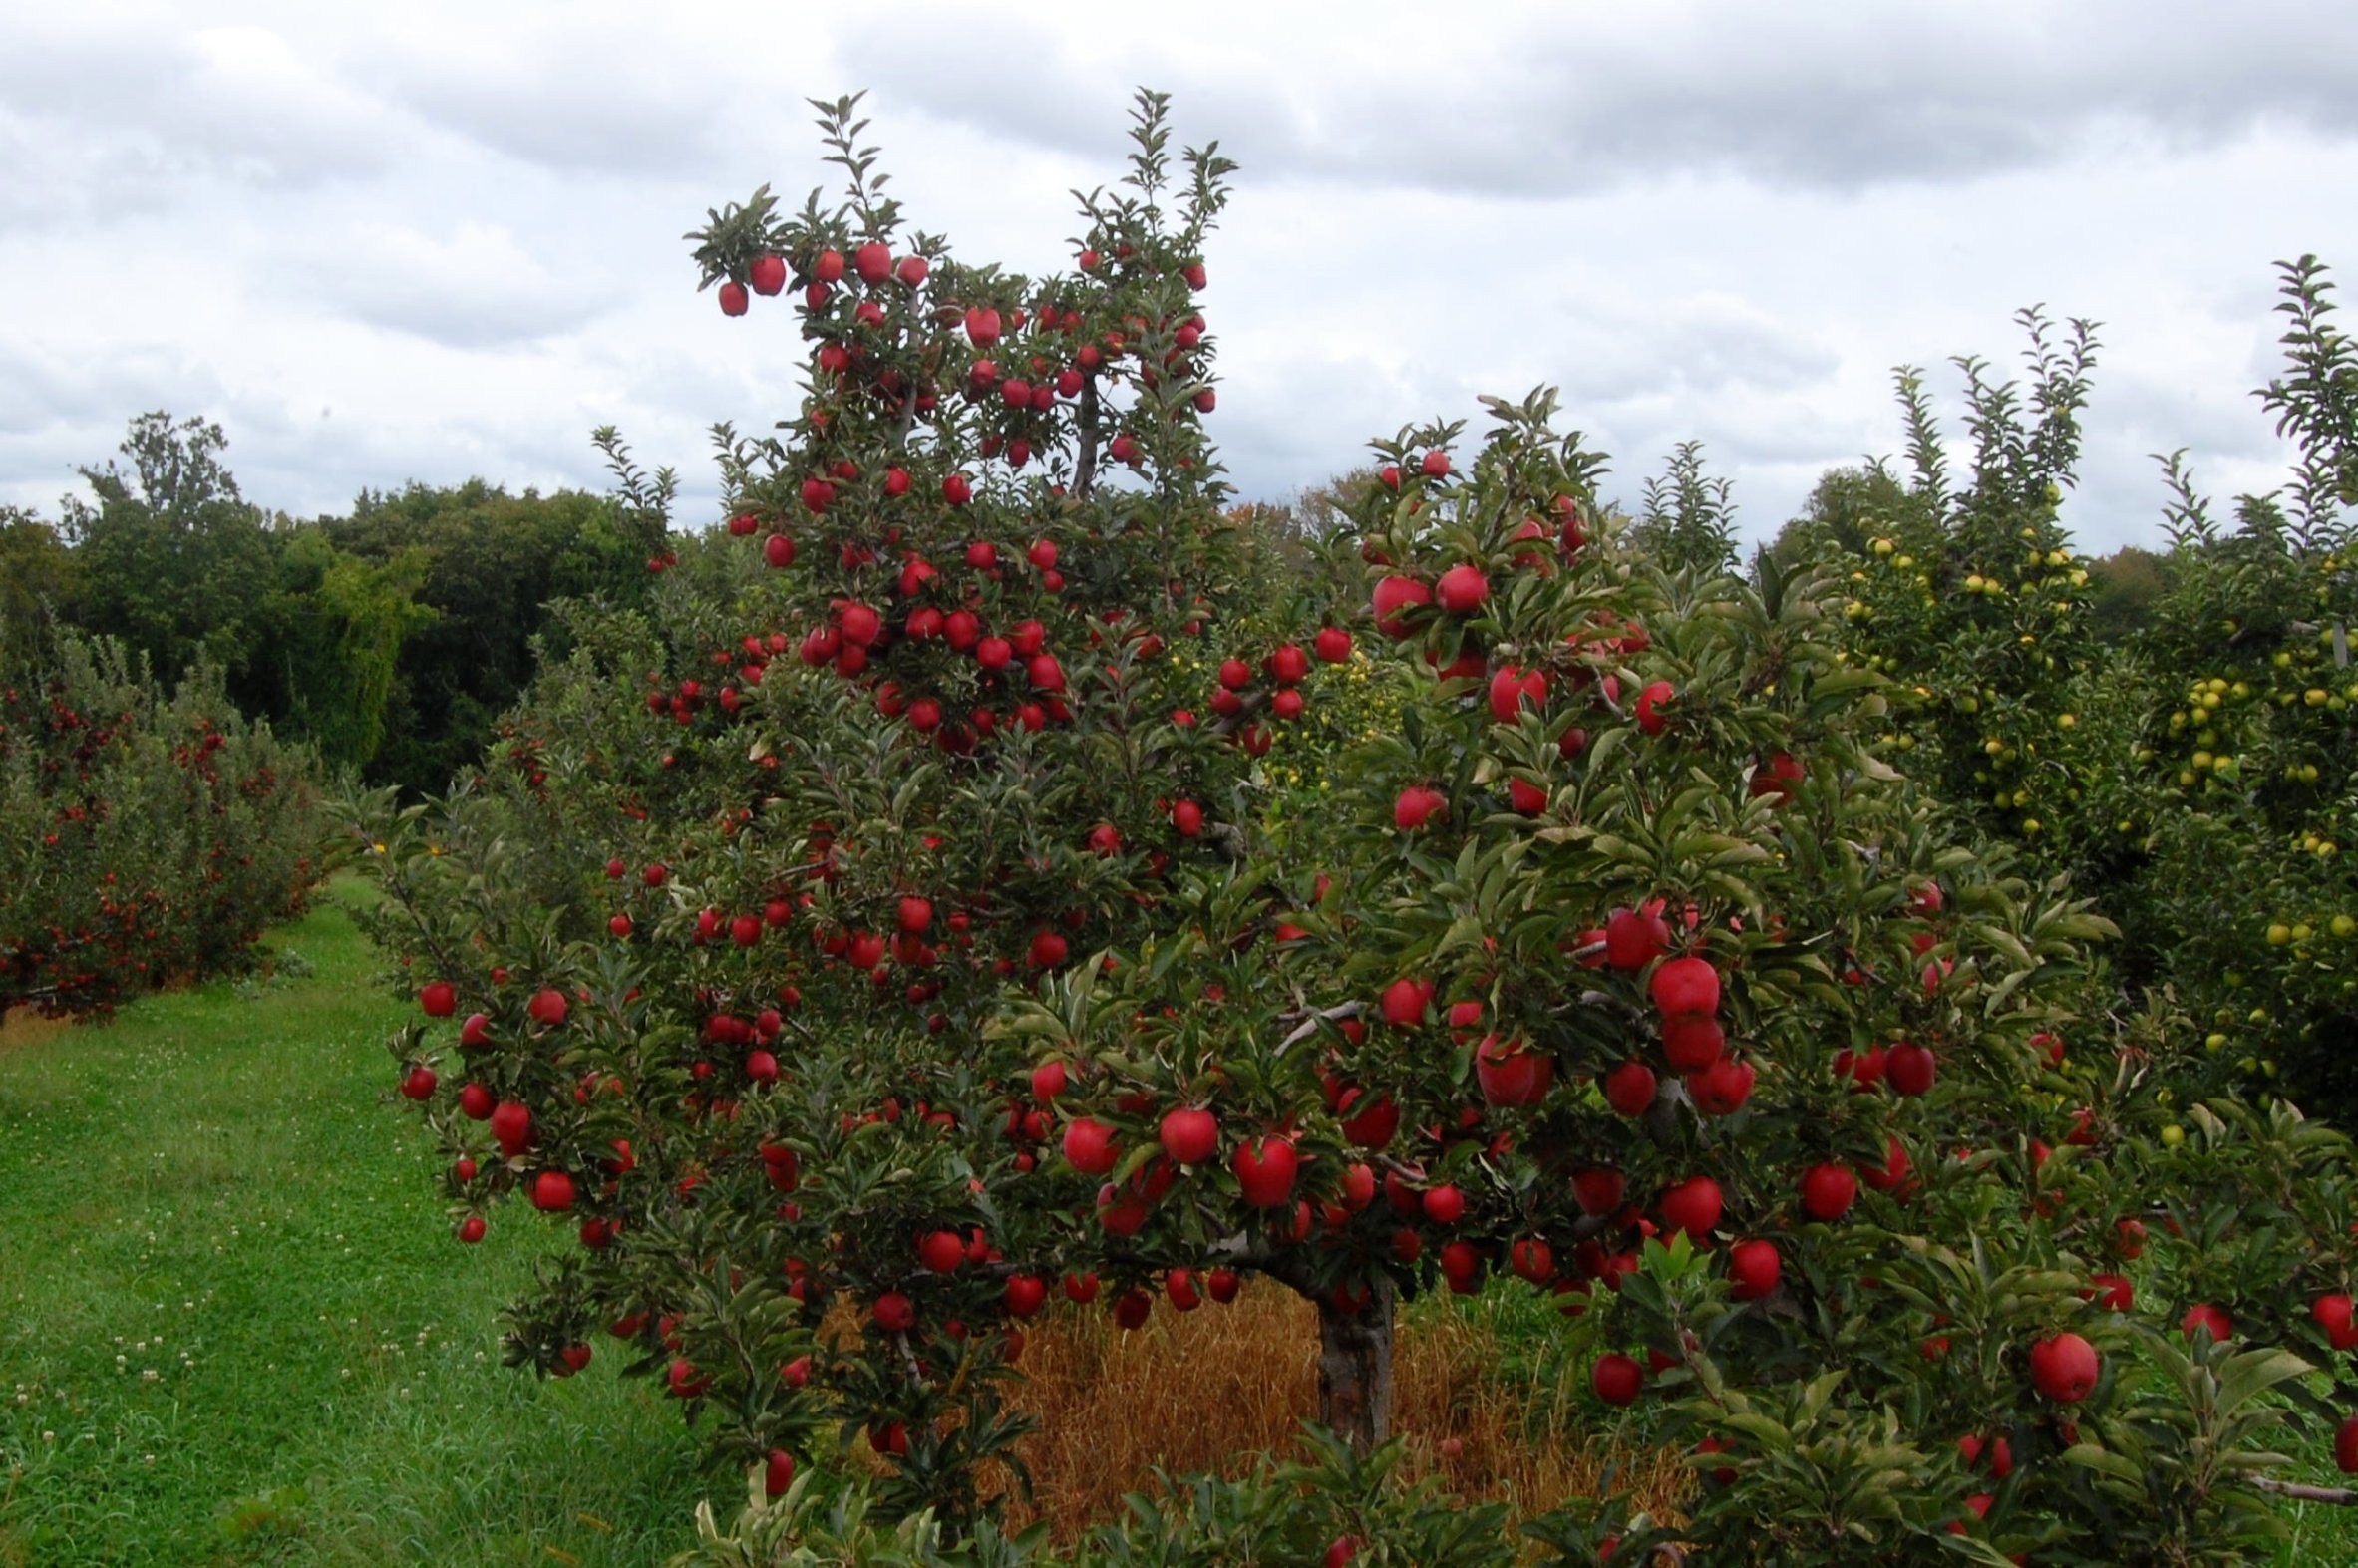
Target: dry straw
pixel 1214 1389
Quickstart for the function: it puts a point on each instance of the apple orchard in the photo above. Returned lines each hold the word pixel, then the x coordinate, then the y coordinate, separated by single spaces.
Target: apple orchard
pixel 891 940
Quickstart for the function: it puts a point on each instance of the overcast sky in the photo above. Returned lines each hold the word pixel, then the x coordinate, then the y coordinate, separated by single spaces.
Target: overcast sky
pixel 432 241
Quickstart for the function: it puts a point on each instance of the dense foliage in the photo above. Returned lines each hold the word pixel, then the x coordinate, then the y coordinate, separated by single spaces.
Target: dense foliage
pixel 2191 768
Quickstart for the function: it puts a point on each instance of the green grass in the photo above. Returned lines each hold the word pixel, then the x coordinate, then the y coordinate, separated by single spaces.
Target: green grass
pixel 234 1327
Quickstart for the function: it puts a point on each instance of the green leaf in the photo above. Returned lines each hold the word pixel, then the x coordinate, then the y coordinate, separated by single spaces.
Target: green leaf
pixel 2089 1456
pixel 2254 1371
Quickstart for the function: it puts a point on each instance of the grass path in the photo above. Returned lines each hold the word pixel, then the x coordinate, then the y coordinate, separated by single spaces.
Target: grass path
pixel 234 1327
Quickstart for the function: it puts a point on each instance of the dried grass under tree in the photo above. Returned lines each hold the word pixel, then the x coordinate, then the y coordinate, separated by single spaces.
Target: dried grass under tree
pixel 1215 1388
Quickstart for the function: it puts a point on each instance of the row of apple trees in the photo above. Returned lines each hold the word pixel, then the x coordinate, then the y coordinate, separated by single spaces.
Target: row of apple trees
pixel 2195 765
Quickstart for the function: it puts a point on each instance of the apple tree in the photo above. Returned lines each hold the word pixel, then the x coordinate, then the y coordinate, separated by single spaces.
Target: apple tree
pixel 147 834
pixel 708 955
pixel 1651 983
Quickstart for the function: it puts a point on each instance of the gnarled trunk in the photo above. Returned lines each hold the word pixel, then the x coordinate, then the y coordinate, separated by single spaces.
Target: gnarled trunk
pixel 1355 1368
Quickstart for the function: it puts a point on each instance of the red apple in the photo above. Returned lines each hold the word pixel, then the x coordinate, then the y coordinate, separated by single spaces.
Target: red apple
pixel 1616 1379
pixel 1404 1002
pixel 1190 1134
pixel 1910 1069
pixel 2203 1315
pixel 1418 805
pixel 1513 1072
pixel 1693 1043
pixel 1601 1191
pixel 1752 1267
pixel 1461 589
pixel 1683 987
pixel 941 1251
pixel 1512 687
pixel 1630 1087
pixel 1634 938
pixel 511 1127
pixel 1692 1205
pixel 2064 1367
pixel 1393 597
pixel 1650 716
pixel 1827 1191
pixel 1265 1169
pixel 2333 1313
pixel 1089 1147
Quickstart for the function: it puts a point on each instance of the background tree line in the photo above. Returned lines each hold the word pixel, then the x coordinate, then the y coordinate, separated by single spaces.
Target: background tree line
pixel 390 638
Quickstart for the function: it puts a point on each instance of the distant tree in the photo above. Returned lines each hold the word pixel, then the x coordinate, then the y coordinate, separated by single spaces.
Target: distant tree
pixel 1689 523
pixel 335 628
pixel 1324 510
pixel 169 557
pixel 1315 513
pixel 494 562
pixel 37 582
pixel 1846 511
pixel 2124 588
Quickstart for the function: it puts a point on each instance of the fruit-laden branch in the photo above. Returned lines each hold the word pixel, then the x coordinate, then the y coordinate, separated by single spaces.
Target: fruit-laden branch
pixel 1241 1251
pixel 2343 1495
pixel 1252 703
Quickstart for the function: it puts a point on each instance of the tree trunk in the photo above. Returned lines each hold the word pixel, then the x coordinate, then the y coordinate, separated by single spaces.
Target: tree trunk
pixel 1355 1368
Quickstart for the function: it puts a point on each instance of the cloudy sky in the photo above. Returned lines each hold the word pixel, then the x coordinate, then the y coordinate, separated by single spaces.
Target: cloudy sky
pixel 432 241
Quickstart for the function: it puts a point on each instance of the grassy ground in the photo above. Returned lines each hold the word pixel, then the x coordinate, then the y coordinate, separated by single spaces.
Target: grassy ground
pixel 234 1327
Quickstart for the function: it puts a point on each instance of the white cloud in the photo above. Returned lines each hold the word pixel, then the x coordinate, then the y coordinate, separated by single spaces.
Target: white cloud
pixel 440 240
pixel 478 288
